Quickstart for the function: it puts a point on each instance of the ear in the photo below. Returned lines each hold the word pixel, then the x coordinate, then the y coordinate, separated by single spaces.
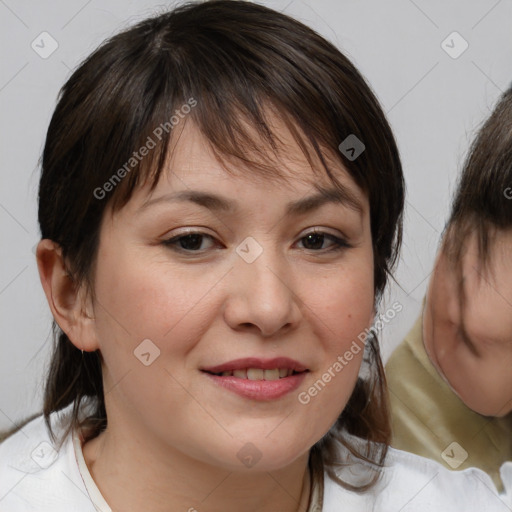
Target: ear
pixel 441 316
pixel 70 305
pixel 443 290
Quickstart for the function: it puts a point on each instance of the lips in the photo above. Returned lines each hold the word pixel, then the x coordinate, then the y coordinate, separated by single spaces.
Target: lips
pixel 258 379
pixel 279 363
pixel 258 373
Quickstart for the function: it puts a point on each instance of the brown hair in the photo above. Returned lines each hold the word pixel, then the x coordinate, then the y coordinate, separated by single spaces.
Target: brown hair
pixel 483 199
pixel 233 59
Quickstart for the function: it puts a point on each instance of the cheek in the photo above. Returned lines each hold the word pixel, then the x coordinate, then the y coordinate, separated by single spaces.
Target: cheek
pixel 344 304
pixel 482 380
pixel 343 312
pixel 145 298
pixel 488 320
pixel 484 385
pixel 148 316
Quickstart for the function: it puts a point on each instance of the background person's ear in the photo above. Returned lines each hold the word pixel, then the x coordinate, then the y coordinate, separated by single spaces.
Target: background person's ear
pixel 70 305
pixel 443 288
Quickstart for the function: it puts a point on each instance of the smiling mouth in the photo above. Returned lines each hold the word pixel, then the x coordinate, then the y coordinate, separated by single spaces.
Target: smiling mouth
pixel 258 379
pixel 258 373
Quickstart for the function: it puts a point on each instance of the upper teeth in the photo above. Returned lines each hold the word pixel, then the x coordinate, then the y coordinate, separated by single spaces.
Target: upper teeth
pixel 258 373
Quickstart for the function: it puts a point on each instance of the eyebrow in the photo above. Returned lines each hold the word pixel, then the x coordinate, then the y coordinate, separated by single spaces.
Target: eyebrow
pixel 302 206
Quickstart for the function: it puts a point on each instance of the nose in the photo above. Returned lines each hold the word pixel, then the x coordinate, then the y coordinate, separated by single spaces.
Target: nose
pixel 262 296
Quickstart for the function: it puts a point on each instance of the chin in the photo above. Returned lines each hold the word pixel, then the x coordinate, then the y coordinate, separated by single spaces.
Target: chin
pixel 484 408
pixel 257 456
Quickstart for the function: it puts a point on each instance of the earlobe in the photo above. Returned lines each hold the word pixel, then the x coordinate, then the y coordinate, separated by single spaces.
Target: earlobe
pixel 70 305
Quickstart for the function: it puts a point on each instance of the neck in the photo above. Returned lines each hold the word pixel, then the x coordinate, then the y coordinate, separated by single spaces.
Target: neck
pixel 157 479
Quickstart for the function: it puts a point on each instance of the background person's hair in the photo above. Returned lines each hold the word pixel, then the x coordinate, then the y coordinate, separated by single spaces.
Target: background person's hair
pixel 235 59
pixel 482 203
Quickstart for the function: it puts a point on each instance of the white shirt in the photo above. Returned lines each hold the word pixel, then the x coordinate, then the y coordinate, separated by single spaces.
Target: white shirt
pixel 37 475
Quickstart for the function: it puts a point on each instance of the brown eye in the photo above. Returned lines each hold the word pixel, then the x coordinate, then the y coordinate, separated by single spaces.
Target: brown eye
pixel 190 242
pixel 315 240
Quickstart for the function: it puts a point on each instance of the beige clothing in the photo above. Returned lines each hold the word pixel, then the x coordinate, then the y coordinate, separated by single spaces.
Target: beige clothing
pixel 428 416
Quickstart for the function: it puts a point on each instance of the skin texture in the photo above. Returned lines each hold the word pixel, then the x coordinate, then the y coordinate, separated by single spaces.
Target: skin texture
pixel 173 435
pixel 471 345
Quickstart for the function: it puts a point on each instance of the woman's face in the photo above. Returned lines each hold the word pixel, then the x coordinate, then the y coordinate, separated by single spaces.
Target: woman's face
pixel 219 321
pixel 471 343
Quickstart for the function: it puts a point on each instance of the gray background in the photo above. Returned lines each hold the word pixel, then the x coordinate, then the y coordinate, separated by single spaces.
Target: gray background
pixel 434 102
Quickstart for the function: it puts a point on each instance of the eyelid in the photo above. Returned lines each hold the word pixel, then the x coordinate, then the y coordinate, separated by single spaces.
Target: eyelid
pixel 196 230
pixel 170 240
pixel 323 231
pixel 338 243
pixel 312 231
pixel 189 230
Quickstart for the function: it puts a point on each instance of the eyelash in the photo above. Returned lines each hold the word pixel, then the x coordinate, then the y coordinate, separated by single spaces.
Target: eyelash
pixel 339 243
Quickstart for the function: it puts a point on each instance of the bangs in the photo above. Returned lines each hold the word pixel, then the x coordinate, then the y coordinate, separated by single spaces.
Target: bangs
pixel 236 87
pixel 248 142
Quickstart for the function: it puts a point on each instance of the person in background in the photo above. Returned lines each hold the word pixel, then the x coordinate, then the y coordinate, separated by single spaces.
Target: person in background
pixel 450 380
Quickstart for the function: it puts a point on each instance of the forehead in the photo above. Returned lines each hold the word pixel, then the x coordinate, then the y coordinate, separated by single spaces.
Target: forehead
pixel 498 264
pixel 193 161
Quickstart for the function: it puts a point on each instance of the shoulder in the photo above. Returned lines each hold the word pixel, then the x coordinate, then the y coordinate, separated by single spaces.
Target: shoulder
pixel 37 473
pixel 417 483
pixel 409 482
